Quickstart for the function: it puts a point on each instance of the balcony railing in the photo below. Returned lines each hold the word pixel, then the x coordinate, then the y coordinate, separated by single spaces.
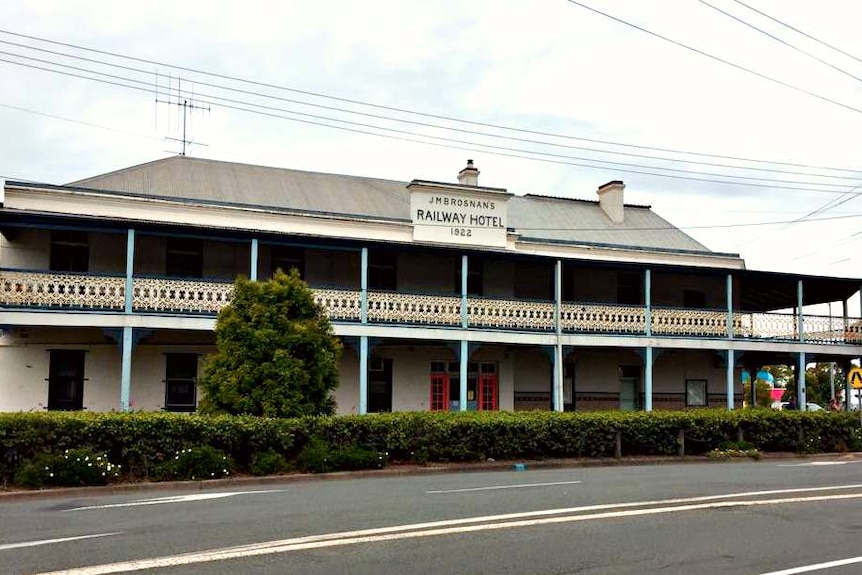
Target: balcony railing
pixel 55 290
pixel 62 290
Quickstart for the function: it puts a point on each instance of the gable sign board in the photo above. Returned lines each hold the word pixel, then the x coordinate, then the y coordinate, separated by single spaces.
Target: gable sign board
pixel 455 215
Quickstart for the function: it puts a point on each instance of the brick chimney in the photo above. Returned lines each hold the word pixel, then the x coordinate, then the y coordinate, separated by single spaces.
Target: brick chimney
pixel 611 200
pixel 469 176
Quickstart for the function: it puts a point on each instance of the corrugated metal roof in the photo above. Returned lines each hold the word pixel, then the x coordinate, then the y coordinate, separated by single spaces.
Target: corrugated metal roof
pixel 535 217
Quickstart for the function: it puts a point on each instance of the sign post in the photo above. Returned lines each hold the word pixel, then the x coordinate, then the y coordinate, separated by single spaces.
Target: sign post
pixel 854 377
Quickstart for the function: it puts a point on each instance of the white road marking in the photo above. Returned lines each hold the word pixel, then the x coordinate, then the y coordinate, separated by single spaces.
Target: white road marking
pixel 493 487
pixel 50 541
pixel 176 499
pixel 449 527
pixel 810 463
pixel 817 567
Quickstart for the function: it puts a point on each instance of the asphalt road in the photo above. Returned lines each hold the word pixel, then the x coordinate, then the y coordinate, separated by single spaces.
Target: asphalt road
pixel 787 516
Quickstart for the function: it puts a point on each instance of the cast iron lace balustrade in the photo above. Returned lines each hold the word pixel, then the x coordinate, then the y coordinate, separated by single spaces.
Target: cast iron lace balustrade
pixel 602 318
pixel 697 322
pixel 773 326
pixel 504 313
pixel 393 307
pixel 61 290
pixel 827 329
pixel 339 304
pixel 180 295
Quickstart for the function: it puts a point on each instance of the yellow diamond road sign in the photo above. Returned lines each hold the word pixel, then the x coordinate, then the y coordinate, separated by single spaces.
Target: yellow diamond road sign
pixel 855 378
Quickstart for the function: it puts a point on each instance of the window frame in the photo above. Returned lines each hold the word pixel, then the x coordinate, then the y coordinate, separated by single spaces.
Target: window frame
pixel 173 405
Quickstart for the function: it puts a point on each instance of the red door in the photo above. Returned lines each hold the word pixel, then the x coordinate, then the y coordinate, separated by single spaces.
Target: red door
pixel 488 392
pixel 439 392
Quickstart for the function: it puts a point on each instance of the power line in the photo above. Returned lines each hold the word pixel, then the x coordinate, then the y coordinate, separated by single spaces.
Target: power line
pixel 417 113
pixel 798 31
pixel 80 122
pixel 402 120
pixel 705 227
pixel 780 40
pixel 718 59
pixel 515 152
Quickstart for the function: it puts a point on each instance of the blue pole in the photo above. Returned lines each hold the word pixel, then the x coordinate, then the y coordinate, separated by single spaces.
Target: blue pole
pixel 130 269
pixel 558 348
pixel 729 379
pixel 252 273
pixel 648 379
pixel 729 306
pixel 799 320
pixel 363 374
pixel 465 268
pixel 800 384
pixel 463 375
pixel 126 371
pixel 363 286
pixel 648 302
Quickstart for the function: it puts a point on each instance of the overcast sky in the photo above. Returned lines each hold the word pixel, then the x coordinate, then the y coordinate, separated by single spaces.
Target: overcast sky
pixel 548 66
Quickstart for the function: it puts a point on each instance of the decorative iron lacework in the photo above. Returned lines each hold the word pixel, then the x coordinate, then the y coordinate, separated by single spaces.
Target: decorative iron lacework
pixel 339 304
pixel 603 318
pixel 778 326
pixel 84 291
pixel 165 294
pixel 391 307
pixel 59 289
pixel 503 313
pixel 689 322
pixel 826 329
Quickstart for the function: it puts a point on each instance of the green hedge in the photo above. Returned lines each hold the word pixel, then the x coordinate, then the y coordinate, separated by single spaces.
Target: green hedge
pixel 140 442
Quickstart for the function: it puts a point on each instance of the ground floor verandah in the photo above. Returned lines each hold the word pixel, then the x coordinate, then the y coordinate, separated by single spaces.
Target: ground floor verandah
pixel 85 368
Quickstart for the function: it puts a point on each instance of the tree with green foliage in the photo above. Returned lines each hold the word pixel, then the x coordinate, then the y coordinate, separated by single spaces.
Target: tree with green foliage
pixel 277 354
pixel 816 385
pixel 763 391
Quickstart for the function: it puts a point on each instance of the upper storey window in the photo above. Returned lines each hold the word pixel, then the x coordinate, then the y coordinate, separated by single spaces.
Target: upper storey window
pixel 70 251
pixel 184 258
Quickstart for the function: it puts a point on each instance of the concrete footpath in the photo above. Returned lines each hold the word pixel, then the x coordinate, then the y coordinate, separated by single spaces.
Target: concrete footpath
pixel 395 470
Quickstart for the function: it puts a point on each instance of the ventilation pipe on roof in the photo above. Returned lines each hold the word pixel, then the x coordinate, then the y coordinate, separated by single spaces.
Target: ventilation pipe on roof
pixel 469 176
pixel 611 200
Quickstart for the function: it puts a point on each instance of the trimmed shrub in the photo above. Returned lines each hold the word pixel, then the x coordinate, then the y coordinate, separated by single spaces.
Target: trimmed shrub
pixel 73 468
pixel 319 457
pixel 201 462
pixel 267 463
pixel 143 442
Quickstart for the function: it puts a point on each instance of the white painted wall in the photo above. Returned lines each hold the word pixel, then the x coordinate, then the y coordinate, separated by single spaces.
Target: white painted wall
pixel 532 370
pixel 347 393
pixel 24 356
pixel 27 250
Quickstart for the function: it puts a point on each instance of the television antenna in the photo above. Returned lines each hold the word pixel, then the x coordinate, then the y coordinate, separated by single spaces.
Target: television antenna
pixel 185 102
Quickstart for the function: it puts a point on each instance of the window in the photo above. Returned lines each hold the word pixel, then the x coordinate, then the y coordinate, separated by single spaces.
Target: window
pixel 695 393
pixel 475 282
pixel 694 299
pixel 66 379
pixel 629 288
pixel 534 281
pixel 184 258
pixel 70 251
pixel 181 379
pixel 287 258
pixel 382 270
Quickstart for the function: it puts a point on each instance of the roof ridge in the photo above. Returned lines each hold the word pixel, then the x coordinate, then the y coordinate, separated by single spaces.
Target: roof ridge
pixel 581 200
pixel 181 158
